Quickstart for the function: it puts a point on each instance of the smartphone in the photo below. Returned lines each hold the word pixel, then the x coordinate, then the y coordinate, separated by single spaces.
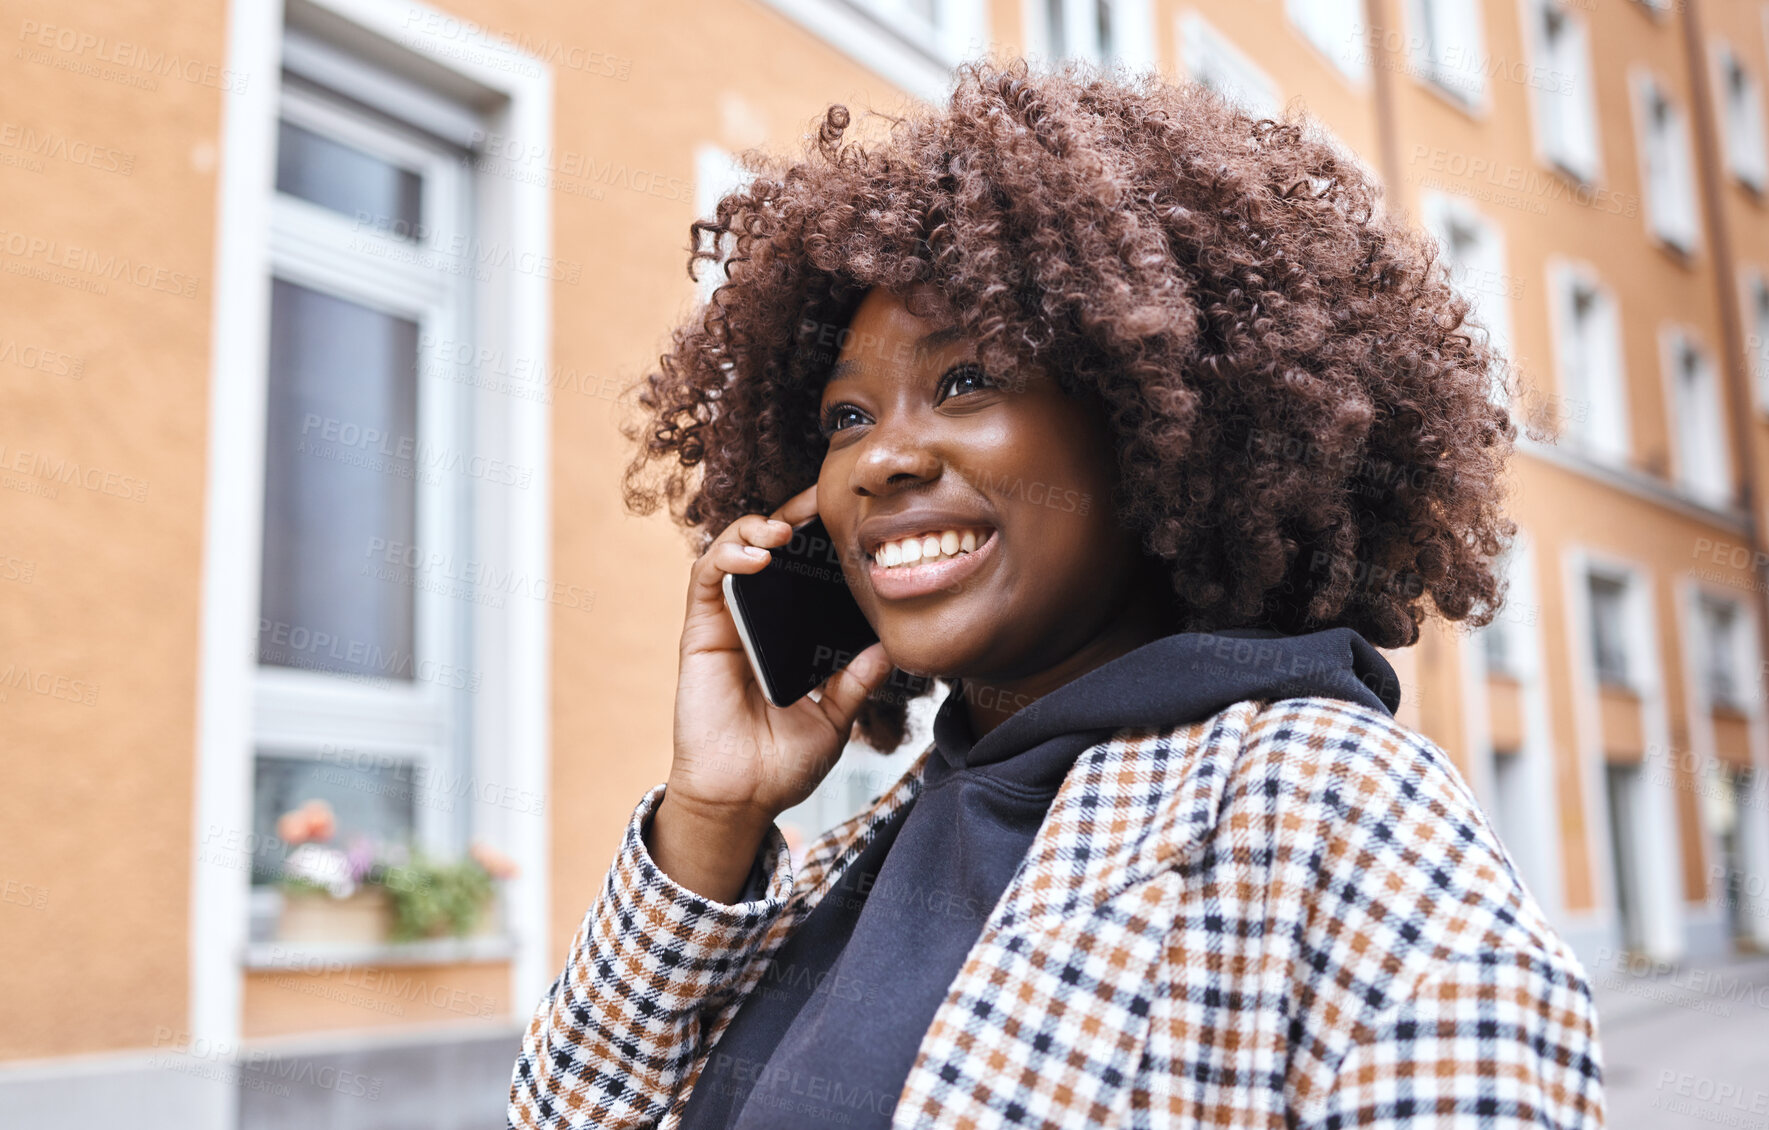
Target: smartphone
pixel 797 619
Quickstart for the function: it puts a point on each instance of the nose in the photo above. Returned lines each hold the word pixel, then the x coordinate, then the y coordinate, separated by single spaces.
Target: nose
pixel 894 455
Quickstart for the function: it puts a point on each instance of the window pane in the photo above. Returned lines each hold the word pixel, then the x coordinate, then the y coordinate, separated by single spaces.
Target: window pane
pixel 340 478
pixel 1608 648
pixel 348 181
pixel 372 801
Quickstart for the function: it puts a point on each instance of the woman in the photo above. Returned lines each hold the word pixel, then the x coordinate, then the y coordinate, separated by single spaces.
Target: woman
pixel 1135 421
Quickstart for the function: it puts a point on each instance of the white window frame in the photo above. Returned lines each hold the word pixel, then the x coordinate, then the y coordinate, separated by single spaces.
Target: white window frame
pixel 1338 38
pixel 1656 859
pixel 1208 56
pixel 1736 659
pixel 1464 85
pixel 1742 128
pixel 1672 212
pixel 716 173
pixel 1567 133
pixel 1490 293
pixel 1133 29
pixel 1535 847
pixel 1753 833
pixel 894 42
pixel 1754 297
pixel 511 311
pixel 1603 427
pixel 301 713
pixel 1700 453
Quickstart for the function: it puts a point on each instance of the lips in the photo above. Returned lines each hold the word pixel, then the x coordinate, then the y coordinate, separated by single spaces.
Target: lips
pixel 946 574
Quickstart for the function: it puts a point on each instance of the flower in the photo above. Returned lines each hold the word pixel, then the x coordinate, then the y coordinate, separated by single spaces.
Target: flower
pixel 363 858
pixel 312 821
pixel 496 863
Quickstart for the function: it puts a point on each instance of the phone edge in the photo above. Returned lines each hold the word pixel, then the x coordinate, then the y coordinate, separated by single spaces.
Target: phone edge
pixel 733 607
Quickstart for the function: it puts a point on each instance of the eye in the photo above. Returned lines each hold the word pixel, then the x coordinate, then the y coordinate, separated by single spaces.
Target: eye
pixel 968 371
pixel 830 422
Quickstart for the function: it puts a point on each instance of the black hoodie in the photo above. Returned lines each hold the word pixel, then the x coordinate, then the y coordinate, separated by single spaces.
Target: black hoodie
pixel 828 1036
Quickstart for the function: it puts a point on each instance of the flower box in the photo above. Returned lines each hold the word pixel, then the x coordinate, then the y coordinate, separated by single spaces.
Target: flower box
pixel 316 916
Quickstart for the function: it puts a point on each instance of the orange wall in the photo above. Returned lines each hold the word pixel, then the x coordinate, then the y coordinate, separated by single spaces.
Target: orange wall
pixel 103 476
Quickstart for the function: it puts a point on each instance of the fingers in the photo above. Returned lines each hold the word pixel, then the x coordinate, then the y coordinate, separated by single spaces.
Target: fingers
pixel 727 554
pixel 842 694
pixel 800 507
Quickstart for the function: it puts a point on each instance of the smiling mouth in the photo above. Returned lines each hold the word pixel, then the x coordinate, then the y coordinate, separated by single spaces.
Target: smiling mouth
pixel 927 576
pixel 927 548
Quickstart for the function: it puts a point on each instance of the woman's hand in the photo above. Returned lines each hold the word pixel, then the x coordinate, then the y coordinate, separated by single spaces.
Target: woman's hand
pixel 740 761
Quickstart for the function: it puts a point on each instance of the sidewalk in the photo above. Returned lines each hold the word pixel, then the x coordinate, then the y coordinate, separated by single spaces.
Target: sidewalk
pixel 1684 1048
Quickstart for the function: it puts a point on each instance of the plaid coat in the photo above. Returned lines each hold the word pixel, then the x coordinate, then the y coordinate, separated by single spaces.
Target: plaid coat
pixel 1290 914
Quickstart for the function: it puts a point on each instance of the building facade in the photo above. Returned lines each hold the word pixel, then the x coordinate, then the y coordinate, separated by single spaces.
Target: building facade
pixel 317 317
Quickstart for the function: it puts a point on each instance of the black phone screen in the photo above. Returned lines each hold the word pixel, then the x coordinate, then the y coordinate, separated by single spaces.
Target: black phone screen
pixel 797 617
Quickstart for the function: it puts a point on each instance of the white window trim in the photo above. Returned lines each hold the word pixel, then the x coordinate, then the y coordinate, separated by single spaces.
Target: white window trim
pixel 1538 857
pixel 1529 12
pixel 1751 279
pixel 912 62
pixel 1719 495
pixel 1198 36
pixel 303 713
pixel 1349 58
pixel 1131 14
pixel 1684 242
pixel 1658 863
pixel 514 311
pixel 1474 97
pixel 1749 169
pixel 1703 744
pixel 1491 308
pixel 716 172
pixel 1561 273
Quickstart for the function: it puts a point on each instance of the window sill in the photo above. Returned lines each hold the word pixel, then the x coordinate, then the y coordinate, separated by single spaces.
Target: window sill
pixel 318 956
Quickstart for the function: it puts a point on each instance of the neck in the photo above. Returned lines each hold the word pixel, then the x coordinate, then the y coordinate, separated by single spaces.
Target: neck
pixel 1143 618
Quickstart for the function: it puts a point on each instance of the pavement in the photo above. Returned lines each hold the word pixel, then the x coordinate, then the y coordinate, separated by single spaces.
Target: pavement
pixel 1684 1047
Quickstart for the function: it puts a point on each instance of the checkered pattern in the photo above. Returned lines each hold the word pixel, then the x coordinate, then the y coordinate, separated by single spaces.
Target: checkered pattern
pixel 1288 915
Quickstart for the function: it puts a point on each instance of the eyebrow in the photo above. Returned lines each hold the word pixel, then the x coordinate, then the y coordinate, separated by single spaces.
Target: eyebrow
pixel 927 344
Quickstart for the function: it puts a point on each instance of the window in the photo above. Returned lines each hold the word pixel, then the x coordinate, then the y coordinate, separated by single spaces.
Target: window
pixel 1741 106
pixel 1621 789
pixel 1209 58
pixel 1667 170
pixel 1474 254
pixel 1566 114
pixel 1756 313
pixel 1447 46
pixel 1589 353
pixel 1701 458
pixel 1720 652
pixel 716 173
pixel 1499 648
pixel 366 672
pixel 1609 651
pixel 1335 28
pixel 1097 31
pixel 913 44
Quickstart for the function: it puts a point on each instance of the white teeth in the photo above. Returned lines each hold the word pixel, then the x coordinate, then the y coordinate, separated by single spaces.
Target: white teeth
pixel 926 547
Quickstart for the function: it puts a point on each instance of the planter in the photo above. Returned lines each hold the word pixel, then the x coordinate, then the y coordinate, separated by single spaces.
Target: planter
pixel 314 916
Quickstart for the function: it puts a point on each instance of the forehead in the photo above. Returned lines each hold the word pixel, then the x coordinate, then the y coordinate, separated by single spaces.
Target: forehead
pixel 886 333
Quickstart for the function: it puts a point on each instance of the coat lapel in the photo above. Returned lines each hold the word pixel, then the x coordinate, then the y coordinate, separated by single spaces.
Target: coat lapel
pixel 1046 1021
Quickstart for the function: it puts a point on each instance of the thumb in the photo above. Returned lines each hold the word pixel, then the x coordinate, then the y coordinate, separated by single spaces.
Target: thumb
pixel 845 691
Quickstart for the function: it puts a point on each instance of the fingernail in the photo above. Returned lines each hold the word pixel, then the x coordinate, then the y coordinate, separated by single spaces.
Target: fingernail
pixel 755 551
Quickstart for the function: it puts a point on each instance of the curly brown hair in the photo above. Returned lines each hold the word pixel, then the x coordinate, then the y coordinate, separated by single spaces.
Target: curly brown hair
pixel 1305 419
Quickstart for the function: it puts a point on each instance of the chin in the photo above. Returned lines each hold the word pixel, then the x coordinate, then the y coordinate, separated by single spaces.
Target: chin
pixel 923 661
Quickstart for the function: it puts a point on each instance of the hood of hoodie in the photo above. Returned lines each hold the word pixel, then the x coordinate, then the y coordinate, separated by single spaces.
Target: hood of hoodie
pixel 1185 677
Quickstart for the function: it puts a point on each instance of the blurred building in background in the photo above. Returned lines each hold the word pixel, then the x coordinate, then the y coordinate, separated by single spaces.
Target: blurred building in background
pixel 314 320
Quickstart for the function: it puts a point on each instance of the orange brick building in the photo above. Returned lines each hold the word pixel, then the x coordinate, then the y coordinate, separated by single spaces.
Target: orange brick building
pixel 314 320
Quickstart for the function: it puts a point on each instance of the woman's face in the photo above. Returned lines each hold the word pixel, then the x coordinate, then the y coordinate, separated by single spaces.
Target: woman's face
pixel 929 454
